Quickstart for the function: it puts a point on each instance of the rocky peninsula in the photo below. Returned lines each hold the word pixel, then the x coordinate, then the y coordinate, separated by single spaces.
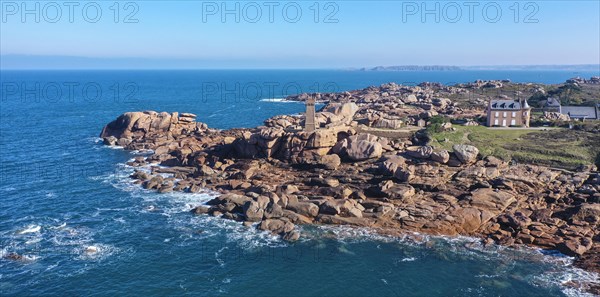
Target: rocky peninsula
pixel 368 164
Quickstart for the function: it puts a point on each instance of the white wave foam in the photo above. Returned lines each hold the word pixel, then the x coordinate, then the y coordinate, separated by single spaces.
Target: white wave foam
pixel 567 275
pixel 113 147
pixel 95 252
pixel 34 240
pixel 95 139
pixel 285 100
pixel 176 206
pixel 349 234
pixel 246 238
pixel 472 248
pixel 61 226
pixel 141 153
pixel 487 275
pixel 279 100
pixel 30 258
pixel 30 229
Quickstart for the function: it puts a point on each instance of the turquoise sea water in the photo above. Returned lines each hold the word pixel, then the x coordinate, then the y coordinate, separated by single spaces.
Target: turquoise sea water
pixel 62 192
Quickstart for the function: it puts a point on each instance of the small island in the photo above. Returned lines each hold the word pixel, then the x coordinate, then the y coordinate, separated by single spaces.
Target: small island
pixel 397 159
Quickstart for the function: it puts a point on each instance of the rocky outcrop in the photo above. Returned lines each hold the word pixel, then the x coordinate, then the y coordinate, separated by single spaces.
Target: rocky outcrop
pixel 132 126
pixel 556 116
pixel 274 177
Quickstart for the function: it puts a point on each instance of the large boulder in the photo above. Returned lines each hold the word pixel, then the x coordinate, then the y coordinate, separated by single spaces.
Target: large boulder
pixel 360 147
pixel 441 156
pixel 575 246
pixel 391 164
pixel 441 102
pixel 411 99
pixel 466 154
pixel 342 207
pixel 243 149
pixel 253 211
pixel 330 162
pixel 323 182
pixel 468 219
pixel 320 138
pixel 122 126
pixel 490 199
pixel 273 210
pixel 397 191
pixel 405 174
pixel 422 152
pixel 364 150
pixel 387 124
pixel 304 208
pixel 276 226
pixel 238 200
pixel 344 112
pixel 589 213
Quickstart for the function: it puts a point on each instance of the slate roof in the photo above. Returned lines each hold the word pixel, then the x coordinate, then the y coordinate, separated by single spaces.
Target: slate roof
pixel 580 112
pixel 505 105
pixel 552 102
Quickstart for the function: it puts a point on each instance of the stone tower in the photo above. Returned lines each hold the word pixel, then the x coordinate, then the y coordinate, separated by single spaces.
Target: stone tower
pixel 309 122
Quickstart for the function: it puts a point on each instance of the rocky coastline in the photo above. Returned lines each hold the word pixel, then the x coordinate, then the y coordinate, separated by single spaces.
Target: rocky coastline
pixel 366 165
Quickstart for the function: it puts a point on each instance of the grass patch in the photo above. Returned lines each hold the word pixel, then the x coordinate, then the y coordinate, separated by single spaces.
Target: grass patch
pixel 561 148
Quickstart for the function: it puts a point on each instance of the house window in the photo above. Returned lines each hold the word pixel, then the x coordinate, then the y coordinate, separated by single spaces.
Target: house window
pixel 513 122
pixel 504 115
pixel 514 114
pixel 497 114
pixel 496 122
pixel 504 123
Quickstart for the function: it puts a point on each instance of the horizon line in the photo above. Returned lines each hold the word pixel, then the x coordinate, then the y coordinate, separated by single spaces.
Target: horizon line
pixel 368 69
pixel 11 61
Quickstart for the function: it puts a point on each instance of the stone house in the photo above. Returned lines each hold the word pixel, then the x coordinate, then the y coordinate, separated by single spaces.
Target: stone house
pixel 573 112
pixel 552 104
pixel 582 112
pixel 506 113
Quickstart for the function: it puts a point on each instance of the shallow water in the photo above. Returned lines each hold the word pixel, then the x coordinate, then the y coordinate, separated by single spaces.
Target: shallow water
pixel 84 228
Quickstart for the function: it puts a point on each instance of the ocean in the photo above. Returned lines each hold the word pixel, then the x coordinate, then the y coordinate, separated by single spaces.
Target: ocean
pixel 63 193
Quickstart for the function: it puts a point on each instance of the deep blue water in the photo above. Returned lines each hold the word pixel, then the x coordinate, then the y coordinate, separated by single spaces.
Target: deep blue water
pixel 70 192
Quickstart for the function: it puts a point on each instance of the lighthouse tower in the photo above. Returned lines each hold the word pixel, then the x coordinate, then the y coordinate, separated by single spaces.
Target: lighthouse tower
pixel 309 122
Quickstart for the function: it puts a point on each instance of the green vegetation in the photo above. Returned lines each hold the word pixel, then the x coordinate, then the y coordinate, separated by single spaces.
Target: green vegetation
pixel 587 95
pixel 569 94
pixel 435 124
pixel 510 90
pixel 554 147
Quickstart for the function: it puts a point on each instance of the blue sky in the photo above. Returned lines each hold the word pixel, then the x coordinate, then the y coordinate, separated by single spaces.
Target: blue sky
pixel 180 34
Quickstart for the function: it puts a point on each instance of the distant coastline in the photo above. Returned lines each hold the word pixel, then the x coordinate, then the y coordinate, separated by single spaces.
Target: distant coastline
pixel 413 68
pixel 582 67
pixel 50 62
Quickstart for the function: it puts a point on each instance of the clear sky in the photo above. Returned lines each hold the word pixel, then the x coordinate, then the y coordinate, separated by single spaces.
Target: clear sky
pixel 342 34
